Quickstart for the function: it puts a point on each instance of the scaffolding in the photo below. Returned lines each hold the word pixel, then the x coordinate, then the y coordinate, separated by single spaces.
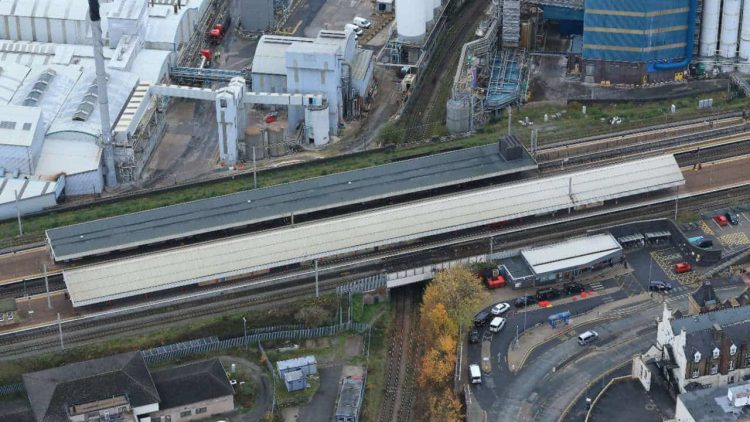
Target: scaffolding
pixel 202 76
pixel 511 18
pixel 507 83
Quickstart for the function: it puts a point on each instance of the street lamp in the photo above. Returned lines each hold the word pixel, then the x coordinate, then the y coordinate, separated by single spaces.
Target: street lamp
pixel 244 330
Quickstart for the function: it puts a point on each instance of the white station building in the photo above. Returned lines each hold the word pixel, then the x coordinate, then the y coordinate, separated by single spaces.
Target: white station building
pixel 49 113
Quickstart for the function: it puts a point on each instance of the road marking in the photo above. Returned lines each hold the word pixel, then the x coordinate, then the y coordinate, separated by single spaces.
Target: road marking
pixel 745 215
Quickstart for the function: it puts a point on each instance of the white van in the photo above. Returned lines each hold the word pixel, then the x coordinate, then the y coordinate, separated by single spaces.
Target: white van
pixel 357 30
pixel 475 374
pixel 362 22
pixel 587 337
pixel 497 324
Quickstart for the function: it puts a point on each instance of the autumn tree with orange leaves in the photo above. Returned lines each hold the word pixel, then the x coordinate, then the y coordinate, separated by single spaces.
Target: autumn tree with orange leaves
pixel 449 301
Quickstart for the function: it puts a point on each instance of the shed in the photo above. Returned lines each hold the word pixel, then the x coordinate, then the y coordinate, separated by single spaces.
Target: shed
pixel 295 380
pixel 306 364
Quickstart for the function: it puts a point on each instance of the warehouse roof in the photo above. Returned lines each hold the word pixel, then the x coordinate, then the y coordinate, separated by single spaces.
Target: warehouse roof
pixel 362 60
pixel 52 9
pixel 244 254
pixel 179 221
pixel 27 188
pixel 66 156
pixel 18 124
pixel 270 54
pixel 571 253
pixel 11 78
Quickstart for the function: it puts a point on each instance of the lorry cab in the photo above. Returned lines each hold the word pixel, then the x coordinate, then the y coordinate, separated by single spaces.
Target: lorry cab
pixel 475 374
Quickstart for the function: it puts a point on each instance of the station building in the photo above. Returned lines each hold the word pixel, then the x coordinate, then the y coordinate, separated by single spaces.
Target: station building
pixel 562 261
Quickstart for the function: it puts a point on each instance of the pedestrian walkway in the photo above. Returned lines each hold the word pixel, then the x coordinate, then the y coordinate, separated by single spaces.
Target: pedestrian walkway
pixel 532 338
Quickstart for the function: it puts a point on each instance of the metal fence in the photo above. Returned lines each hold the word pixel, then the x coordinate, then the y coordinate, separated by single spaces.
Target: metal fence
pixel 363 285
pixel 254 338
pixel 6 390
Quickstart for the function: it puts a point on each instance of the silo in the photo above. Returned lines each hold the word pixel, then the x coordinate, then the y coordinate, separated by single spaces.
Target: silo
pixel 744 59
pixel 428 11
pixel 458 116
pixel 730 26
pixel 710 27
pixel 410 20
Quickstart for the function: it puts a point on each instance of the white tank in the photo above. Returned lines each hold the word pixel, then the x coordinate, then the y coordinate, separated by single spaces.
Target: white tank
pixel 710 27
pixel 428 10
pixel 410 20
pixel 744 55
pixel 730 26
pixel 316 125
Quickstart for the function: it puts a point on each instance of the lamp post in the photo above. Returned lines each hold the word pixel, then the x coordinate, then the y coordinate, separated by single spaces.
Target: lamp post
pixel 244 331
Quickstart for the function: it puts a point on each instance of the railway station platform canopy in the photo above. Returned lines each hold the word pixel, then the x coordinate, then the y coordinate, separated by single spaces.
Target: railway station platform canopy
pixel 281 201
pixel 365 230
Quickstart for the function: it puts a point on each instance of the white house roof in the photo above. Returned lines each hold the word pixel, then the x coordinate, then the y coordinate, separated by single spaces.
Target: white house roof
pixel 355 232
pixel 571 253
pixel 18 124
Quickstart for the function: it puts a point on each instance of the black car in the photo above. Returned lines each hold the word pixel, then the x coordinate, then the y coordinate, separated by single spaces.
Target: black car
pixel 482 317
pixel 524 301
pixel 547 294
pixel 474 336
pixel 659 286
pixel 732 217
pixel 573 288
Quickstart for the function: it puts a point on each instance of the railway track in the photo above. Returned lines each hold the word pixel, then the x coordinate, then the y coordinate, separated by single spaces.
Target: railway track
pixel 398 395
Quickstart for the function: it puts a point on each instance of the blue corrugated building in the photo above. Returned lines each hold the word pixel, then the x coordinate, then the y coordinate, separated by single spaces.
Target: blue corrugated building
pixel 636 41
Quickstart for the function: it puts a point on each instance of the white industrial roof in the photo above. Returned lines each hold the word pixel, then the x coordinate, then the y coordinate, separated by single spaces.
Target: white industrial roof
pixel 163 23
pixel 26 188
pixel 11 78
pixel 53 9
pixel 571 253
pixel 18 124
pixel 252 252
pixel 68 156
pixel 270 55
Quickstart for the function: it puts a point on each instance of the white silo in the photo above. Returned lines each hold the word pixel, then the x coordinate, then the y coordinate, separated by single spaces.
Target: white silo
pixel 410 20
pixel 730 26
pixel 710 27
pixel 744 56
pixel 429 11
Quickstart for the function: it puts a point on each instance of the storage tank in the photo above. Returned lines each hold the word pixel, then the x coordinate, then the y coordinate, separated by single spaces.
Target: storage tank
pixel 428 10
pixel 458 116
pixel 316 124
pixel 744 55
pixel 710 27
pixel 410 20
pixel 730 25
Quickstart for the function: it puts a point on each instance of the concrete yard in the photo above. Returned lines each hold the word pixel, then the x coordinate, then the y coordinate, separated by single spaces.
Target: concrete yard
pixel 334 14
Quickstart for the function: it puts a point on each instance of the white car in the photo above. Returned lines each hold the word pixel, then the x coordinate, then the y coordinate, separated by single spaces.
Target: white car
pixel 500 308
pixel 361 22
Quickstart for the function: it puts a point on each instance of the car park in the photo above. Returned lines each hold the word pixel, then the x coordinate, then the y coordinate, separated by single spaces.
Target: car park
pixel 474 336
pixel 524 301
pixel 659 286
pixel 573 288
pixel 497 324
pixel 500 308
pixel 721 220
pixel 547 294
pixel 588 337
pixel 481 317
pixel 682 267
pixel 732 217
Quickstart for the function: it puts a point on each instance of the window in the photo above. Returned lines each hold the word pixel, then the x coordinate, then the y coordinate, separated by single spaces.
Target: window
pixel 27 126
pixel 697 357
pixel 10 316
pixel 186 413
pixel 733 350
pixel 2 316
pixel 201 410
pixel 714 369
pixel 168 418
pixel 695 373
pixel 716 353
pixel 731 364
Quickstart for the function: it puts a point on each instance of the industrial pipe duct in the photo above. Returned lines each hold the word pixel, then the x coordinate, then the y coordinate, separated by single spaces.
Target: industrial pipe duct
pixel 653 67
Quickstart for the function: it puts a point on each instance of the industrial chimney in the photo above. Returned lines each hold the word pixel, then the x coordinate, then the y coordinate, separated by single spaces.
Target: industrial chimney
pixel 101 82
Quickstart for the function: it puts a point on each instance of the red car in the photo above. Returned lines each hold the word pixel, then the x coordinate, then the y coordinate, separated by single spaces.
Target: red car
pixel 271 117
pixel 682 267
pixel 721 220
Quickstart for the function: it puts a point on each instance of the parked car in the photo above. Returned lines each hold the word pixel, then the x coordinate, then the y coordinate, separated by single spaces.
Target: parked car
pixel 721 220
pixel 682 267
pixel 357 30
pixel 474 336
pixel 362 22
pixel 659 286
pixel 732 217
pixel 573 288
pixel 475 374
pixel 524 301
pixel 497 324
pixel 547 294
pixel 500 308
pixel 481 318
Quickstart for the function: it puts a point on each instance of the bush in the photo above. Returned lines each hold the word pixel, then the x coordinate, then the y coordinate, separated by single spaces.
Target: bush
pixel 312 316
pixel 389 134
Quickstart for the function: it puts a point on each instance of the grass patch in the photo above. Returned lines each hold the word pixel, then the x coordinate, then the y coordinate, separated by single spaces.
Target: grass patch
pixel 376 367
pixel 285 398
pixel 365 313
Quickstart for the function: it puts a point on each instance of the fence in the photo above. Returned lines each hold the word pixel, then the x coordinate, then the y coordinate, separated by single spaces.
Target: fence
pixel 169 354
pixel 6 390
pixel 363 285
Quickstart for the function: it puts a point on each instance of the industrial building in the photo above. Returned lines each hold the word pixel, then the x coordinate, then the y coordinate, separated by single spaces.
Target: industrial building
pixel 49 95
pixel 562 261
pixel 331 65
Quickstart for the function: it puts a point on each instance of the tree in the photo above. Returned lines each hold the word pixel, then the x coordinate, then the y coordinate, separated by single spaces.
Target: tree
pixel 445 407
pixel 460 290
pixel 389 134
pixel 312 316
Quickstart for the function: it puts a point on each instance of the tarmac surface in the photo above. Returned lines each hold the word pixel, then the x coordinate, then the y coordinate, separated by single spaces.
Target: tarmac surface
pixel 626 398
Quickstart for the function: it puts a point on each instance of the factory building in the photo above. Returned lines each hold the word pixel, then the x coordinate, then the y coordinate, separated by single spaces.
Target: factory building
pixel 637 42
pixel 50 130
pixel 331 64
